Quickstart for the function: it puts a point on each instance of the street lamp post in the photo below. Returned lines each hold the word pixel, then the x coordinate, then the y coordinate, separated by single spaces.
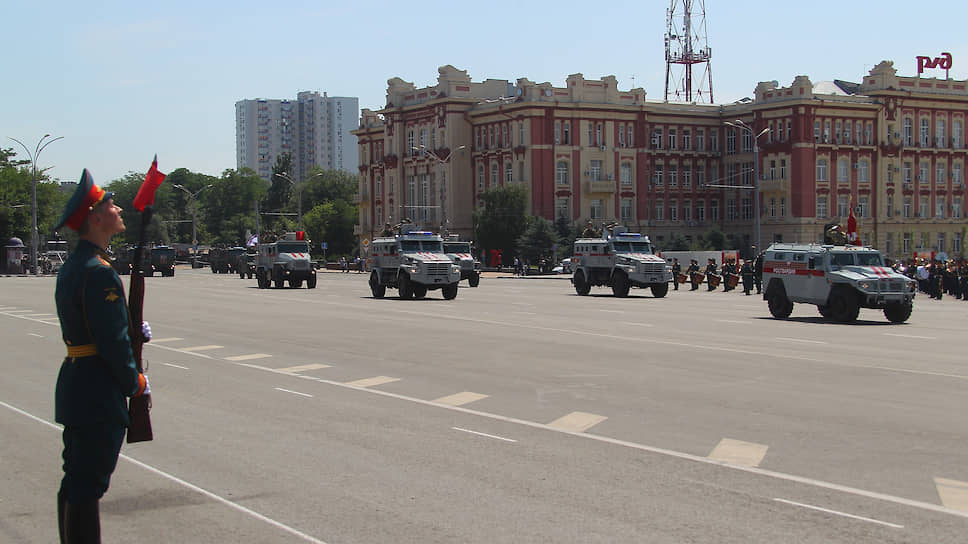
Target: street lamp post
pixel 34 238
pixel 443 185
pixel 740 124
pixel 191 203
pixel 297 185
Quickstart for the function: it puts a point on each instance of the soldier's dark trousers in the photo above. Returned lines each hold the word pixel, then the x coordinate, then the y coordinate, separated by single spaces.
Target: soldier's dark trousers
pixel 82 523
pixel 90 456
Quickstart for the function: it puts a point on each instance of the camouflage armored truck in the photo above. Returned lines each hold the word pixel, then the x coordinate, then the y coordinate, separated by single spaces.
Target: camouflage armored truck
pixel 413 262
pixel 621 260
pixel 839 280
pixel 246 263
pixel 285 260
pixel 460 252
pixel 162 259
pixel 225 261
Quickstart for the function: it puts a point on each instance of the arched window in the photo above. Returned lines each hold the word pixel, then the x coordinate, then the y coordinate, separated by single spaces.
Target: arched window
pixel 843 170
pixel 863 171
pixel 561 173
pixel 508 173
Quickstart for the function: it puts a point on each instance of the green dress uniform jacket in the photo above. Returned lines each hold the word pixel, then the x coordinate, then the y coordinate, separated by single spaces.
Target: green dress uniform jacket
pixel 99 372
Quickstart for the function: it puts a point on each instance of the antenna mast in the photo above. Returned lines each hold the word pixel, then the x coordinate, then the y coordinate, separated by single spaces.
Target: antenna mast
pixel 686 44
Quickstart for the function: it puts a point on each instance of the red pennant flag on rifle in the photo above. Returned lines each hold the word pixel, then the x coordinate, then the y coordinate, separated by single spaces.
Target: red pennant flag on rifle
pixel 146 194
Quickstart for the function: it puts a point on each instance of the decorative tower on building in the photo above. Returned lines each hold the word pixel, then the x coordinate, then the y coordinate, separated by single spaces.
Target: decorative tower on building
pixel 686 45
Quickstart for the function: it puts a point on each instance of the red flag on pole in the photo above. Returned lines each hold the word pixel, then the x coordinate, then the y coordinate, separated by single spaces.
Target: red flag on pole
pixel 146 194
pixel 852 237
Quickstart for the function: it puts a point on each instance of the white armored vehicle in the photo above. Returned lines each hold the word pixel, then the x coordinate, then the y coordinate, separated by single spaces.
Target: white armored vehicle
pixel 286 259
pixel 839 280
pixel 413 262
pixel 620 261
pixel 460 252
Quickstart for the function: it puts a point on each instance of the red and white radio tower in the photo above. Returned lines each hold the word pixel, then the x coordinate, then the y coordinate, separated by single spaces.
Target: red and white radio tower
pixel 686 45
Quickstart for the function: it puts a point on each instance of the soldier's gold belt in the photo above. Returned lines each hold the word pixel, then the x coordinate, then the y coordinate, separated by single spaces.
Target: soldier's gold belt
pixel 87 350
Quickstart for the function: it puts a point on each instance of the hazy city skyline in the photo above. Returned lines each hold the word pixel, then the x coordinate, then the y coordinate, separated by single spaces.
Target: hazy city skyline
pixel 123 81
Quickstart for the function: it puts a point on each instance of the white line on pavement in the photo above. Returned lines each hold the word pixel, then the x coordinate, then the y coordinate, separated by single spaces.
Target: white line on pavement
pixel 186 484
pixel 176 366
pixel 838 513
pixel 801 340
pixel 484 434
pixel 293 392
pixel 910 336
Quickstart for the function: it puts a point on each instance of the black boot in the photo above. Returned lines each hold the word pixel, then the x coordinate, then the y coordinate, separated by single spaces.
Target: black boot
pixel 82 523
pixel 61 506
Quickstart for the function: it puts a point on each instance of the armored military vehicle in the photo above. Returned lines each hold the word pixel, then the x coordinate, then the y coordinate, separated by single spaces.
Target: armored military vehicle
pixel 285 260
pixel 413 262
pixel 246 263
pixel 162 259
pixel 225 260
pixel 460 253
pixel 839 280
pixel 619 260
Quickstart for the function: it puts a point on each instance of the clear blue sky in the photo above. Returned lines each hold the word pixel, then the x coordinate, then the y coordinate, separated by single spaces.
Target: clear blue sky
pixel 123 80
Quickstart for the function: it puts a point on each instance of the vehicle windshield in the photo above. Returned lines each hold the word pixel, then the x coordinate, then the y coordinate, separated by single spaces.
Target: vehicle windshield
pixel 163 252
pixel 413 246
pixel 632 247
pixel 870 259
pixel 457 247
pixel 293 247
pixel 841 259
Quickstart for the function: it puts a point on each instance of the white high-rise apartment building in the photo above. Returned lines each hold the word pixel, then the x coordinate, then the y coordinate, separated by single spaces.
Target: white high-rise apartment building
pixel 314 129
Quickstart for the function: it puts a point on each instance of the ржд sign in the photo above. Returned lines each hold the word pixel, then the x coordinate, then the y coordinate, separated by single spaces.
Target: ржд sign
pixel 943 62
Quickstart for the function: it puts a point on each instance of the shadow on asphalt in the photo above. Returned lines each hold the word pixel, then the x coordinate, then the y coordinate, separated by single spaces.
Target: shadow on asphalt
pixel 821 321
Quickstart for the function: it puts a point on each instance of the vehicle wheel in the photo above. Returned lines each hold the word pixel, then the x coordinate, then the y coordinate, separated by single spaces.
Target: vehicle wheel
pixel 250 275
pixel 214 271
pixel 294 283
pixel 620 285
pixel 311 282
pixel 260 280
pixel 898 312
pixel 474 280
pixel 824 311
pixel 419 291
pixel 378 290
pixel 150 273
pixel 581 284
pixel 659 290
pixel 780 305
pixel 843 306
pixel 278 280
pixel 404 287
pixel 449 291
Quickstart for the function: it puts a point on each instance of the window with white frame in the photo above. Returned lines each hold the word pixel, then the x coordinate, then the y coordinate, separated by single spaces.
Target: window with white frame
pixel 863 206
pixel 595 170
pixel 906 244
pixel 687 210
pixel 714 140
pixel 411 141
pixel 890 206
pixel 907 208
pixel 923 207
pixel 561 207
pixel 631 138
pixel 508 173
pixel 659 210
pixel 939 173
pixel 657 175
pixel 908 172
pixel 924 133
pixel 521 133
pixel 848 132
pixel 700 139
pixel 747 141
pixel 821 206
pixel 826 131
pixel 686 139
pixel 561 173
pixel 656 138
pixel 504 136
pixel 673 143
pixel 782 206
pixel 673 175
pixel 939 203
pixel 598 135
pixel 557 132
pixel 772 169
pixel 842 207
pixel 673 210
pixel 821 169
pixel 686 175
pixel 412 196
pixel 908 131
pixel 772 207
pixel 480 177
pixel 783 174
pixel 424 198
pixel 621 135
pixel 941 242
pixel 837 136
pixel 731 210
pixel 746 204
pixel 625 173
pixel 700 175
pixel 956 174
pixel 625 209
pixel 566 136
pixel 596 208
pixel 423 140
pixel 869 134
pixel 956 134
pixel 956 244
pixel 816 131
pixel 701 210
pixel 730 141
pixel 843 170
pixel 940 133
pixel 923 172
pixel 494 175
pixel 956 207
pixel 714 210
pixel 863 171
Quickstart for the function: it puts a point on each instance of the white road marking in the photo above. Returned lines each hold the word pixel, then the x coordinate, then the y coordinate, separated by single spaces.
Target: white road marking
pixel 201 348
pixel 732 321
pixel 176 366
pixel 953 493
pixel 160 340
pixel 801 340
pixel 38 315
pixel 192 353
pixel 484 434
pixel 612 311
pixel 34 334
pixel 524 313
pixel 737 452
pixel 184 483
pixel 293 392
pixel 370 382
pixel 460 399
pixel 577 422
pixel 838 513
pixel 637 324
pixel 910 336
pixel 248 357
pixel 301 368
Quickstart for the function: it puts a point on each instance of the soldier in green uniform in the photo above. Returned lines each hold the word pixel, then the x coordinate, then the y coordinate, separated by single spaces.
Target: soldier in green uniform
pixel 99 371
pixel 676 270
pixel 691 272
pixel 590 231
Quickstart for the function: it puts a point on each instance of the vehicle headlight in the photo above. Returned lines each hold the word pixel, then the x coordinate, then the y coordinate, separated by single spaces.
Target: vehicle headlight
pixel 864 285
pixel 455 269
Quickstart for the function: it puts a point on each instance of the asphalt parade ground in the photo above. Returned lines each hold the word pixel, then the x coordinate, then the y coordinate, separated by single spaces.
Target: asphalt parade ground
pixel 517 412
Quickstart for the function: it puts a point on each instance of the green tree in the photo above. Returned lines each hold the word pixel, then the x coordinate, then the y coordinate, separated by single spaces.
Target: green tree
pixel 16 202
pixel 332 222
pixel 279 194
pixel 228 206
pixel 537 241
pixel 502 219
pixel 712 240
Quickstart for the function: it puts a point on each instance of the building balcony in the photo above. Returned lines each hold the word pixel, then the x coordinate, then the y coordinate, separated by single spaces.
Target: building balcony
pixel 600 186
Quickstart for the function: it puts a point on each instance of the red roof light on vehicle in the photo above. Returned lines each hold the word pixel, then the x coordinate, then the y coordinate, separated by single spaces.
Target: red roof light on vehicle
pixel 300 235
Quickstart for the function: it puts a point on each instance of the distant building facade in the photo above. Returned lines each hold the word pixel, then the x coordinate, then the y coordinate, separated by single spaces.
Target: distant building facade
pixel 316 130
pixel 891 147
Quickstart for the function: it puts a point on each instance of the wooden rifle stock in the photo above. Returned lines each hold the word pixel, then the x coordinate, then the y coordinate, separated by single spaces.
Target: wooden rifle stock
pixel 139 407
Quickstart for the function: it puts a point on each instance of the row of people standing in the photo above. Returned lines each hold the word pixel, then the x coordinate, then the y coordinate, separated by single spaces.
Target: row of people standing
pixel 750 273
